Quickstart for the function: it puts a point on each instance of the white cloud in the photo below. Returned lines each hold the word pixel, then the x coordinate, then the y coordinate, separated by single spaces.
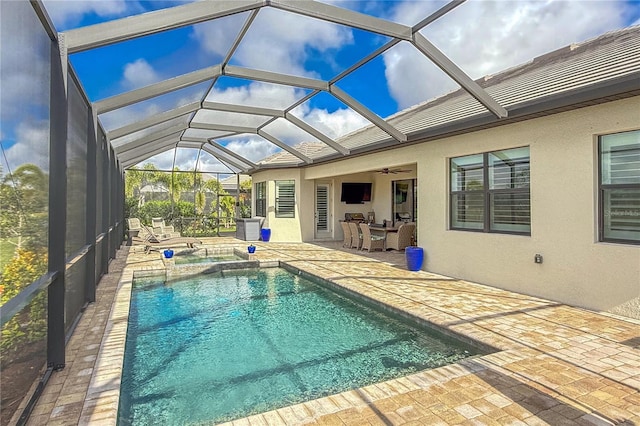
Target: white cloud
pixel 24 64
pixel 120 117
pixel 484 37
pixel 32 145
pixel 277 41
pixel 257 94
pixel 252 148
pixel 333 124
pixel 139 74
pixel 162 161
pixel 67 13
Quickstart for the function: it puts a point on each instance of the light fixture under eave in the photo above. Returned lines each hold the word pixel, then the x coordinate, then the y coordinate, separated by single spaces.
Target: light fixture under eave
pixel 386 171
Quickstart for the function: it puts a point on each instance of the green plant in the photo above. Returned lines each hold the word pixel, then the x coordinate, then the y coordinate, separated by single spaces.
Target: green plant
pixel 29 325
pixel 24 197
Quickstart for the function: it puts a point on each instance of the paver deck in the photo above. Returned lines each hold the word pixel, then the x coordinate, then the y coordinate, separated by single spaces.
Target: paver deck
pixel 555 364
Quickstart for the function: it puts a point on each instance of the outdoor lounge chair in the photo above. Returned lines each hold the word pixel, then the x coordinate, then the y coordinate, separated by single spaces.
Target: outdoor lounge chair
pixel 370 241
pixel 143 234
pixel 137 231
pixel 401 239
pixel 347 234
pixel 166 243
pixel 162 229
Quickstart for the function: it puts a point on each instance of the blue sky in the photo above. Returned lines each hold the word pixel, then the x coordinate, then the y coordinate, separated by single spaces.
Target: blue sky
pixel 481 37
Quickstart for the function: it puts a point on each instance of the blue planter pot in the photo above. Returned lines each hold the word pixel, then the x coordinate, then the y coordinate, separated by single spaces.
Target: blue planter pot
pixel 251 249
pixel 168 253
pixel 265 234
pixel 415 257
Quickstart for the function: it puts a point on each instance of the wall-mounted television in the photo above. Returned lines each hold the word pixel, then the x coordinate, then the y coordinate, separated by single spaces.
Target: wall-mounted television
pixel 356 192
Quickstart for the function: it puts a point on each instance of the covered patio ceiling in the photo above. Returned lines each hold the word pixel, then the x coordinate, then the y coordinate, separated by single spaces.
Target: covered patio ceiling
pixel 198 114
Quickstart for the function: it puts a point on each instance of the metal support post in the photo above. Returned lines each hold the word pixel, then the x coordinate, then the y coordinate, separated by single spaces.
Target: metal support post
pixel 57 205
pixel 90 220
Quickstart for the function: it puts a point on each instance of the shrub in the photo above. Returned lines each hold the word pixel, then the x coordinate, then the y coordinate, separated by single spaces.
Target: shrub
pixel 163 209
pixel 29 325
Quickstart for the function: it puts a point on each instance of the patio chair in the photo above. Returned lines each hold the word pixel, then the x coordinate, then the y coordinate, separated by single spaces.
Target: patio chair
pixel 401 239
pixel 370 241
pixel 347 234
pixel 162 229
pixel 356 237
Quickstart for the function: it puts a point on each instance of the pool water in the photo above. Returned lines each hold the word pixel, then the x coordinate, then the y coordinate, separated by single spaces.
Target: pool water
pixel 222 346
pixel 181 259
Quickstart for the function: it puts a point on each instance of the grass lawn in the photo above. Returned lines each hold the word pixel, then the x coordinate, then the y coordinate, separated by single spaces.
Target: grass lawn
pixel 6 251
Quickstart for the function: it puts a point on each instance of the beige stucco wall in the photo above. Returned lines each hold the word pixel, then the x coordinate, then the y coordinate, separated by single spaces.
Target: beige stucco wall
pixel 285 229
pixel 577 269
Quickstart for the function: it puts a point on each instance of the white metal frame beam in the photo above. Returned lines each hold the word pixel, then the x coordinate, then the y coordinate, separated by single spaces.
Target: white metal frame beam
pixel 284 146
pixel 258 132
pixel 242 109
pixel 276 78
pixel 231 154
pixel 190 144
pixel 149 150
pixel 224 158
pixel 338 15
pixel 445 64
pixel 123 147
pixel 118 30
pixel 223 127
pixel 103 34
pixel 316 133
pixel 157 89
pixel 369 115
pixel 153 120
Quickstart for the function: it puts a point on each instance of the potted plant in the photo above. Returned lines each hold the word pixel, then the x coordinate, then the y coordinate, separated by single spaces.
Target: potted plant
pixel 251 248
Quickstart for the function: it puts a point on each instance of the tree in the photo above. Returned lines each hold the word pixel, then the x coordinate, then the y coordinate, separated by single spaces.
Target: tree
pixel 176 182
pixel 31 324
pixel 245 198
pixel 200 202
pixel 24 196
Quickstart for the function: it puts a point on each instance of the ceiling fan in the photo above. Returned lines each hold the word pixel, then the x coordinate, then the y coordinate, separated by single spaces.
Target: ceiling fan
pixel 386 171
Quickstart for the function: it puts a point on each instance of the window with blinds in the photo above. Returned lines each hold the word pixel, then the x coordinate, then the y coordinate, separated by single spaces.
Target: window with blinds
pixel 285 198
pixel 619 200
pixel 261 199
pixel 490 192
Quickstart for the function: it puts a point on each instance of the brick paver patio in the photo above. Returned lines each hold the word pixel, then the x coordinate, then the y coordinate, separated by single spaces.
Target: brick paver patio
pixel 555 364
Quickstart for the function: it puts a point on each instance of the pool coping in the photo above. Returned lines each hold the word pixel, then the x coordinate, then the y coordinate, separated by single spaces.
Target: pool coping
pixel 102 398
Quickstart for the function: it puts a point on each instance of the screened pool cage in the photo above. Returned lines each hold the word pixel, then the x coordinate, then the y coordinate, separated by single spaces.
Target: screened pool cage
pixel 62 206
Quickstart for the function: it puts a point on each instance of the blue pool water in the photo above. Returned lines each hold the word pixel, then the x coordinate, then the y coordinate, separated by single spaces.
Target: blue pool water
pixel 181 259
pixel 222 346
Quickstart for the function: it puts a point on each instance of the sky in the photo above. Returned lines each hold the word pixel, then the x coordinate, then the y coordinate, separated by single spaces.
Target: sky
pixel 481 36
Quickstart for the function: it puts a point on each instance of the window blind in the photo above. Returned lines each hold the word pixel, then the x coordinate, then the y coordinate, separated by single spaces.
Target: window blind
pixel 285 198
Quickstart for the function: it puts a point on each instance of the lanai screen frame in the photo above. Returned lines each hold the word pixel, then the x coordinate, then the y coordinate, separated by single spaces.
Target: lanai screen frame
pixel 129 28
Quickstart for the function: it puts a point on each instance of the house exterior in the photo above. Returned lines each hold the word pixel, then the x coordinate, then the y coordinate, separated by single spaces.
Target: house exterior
pixel 559 178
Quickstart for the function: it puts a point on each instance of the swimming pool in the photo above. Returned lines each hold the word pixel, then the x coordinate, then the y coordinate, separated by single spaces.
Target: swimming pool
pixel 227 345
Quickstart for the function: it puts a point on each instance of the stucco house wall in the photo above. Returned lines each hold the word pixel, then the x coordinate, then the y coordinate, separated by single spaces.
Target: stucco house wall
pixel 577 268
pixel 286 229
